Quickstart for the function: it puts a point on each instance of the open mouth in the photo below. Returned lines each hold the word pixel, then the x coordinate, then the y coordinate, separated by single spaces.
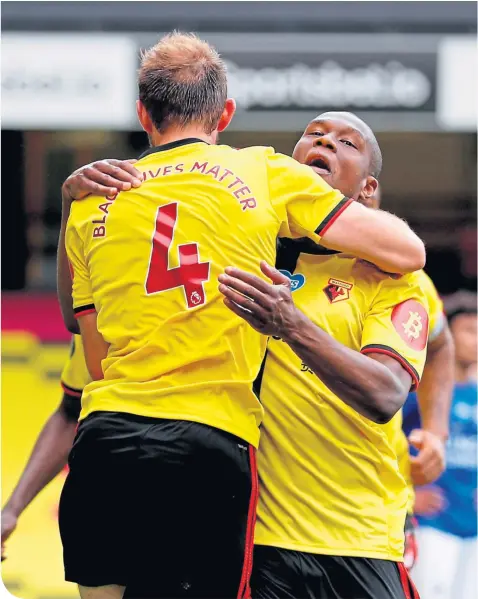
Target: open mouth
pixel 320 166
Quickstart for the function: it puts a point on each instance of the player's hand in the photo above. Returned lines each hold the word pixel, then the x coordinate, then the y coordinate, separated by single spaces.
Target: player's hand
pixel 267 307
pixel 9 523
pixel 429 501
pixel 103 178
pixel 427 466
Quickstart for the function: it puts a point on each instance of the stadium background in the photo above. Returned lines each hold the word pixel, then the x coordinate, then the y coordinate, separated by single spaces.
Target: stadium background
pixel 68 91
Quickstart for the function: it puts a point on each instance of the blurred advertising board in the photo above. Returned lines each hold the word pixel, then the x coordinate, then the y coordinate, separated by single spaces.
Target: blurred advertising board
pixel 67 81
pixel 457 89
pixel 36 314
pixel 282 80
pixel 279 80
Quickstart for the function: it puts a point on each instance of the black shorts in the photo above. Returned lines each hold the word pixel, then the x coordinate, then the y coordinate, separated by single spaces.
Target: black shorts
pixel 283 574
pixel 163 507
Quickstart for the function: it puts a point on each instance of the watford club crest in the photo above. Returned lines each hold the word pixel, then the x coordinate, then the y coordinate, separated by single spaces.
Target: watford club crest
pixel 337 291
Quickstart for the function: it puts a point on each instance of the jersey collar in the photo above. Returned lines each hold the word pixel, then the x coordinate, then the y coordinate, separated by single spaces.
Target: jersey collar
pixel 171 145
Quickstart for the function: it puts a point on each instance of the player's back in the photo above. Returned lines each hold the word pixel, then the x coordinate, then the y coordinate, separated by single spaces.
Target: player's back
pixel 152 257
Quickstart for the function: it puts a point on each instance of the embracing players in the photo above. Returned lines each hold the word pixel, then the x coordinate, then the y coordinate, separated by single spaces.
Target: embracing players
pixel 380 574
pixel 114 171
pixel 169 426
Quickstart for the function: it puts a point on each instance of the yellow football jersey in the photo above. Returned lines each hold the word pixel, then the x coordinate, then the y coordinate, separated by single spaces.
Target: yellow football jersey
pixel 437 322
pixel 148 261
pixel 75 375
pixel 330 478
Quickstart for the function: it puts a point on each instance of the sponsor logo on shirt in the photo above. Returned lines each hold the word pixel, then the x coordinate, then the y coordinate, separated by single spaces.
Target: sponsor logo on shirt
pixel 296 280
pixel 410 320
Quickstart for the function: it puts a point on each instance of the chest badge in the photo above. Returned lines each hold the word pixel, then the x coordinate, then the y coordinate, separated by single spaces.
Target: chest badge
pixel 337 291
pixel 296 280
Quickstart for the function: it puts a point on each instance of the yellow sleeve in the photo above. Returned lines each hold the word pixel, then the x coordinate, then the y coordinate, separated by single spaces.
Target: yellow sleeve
pixel 397 324
pixel 75 376
pixel 305 204
pixel 435 306
pixel 82 294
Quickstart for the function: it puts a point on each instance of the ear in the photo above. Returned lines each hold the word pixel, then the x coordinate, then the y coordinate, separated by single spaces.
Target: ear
pixel 227 114
pixel 144 118
pixel 366 196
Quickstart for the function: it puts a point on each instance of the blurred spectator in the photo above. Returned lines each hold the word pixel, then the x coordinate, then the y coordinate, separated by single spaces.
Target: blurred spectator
pixel 447 510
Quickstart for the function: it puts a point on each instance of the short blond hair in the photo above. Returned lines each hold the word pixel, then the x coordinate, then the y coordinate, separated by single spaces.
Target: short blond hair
pixel 182 80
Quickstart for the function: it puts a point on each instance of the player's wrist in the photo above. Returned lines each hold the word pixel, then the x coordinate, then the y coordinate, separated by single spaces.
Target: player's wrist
pixel 292 332
pixel 438 432
pixel 12 509
pixel 66 195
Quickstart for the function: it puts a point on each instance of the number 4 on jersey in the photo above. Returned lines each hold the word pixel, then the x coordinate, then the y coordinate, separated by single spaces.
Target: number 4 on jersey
pixel 190 274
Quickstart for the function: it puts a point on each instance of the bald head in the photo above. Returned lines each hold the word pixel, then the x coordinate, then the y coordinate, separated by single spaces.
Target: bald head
pixel 365 131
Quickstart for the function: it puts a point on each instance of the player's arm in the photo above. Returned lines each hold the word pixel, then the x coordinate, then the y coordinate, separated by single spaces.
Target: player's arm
pixel 48 458
pixel 84 310
pixel 308 206
pixel 63 274
pixel 103 178
pixel 434 401
pixel 436 387
pixel 375 385
pixel 378 237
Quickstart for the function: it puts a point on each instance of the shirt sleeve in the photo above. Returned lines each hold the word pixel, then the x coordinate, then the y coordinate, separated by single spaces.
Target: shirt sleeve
pixel 75 375
pixel 397 325
pixel 82 294
pixel 305 204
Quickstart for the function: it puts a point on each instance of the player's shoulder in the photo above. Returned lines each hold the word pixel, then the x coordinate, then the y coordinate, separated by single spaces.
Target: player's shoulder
pixel 367 272
pixel 82 210
pixel 405 289
pixel 373 272
pixel 381 282
pixel 254 152
pixel 427 284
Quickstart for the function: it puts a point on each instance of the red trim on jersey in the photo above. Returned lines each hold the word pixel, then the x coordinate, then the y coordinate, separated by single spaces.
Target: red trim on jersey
pixel 70 391
pixel 404 580
pixel 409 588
pixel 415 593
pixel 244 588
pixel 389 352
pixel 335 217
pixel 84 312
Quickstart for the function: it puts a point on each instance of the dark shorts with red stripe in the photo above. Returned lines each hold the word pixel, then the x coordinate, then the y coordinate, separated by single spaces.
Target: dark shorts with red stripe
pixel 163 507
pixel 284 574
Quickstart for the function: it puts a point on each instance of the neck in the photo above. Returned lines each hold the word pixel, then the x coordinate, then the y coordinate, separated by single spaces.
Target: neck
pixel 464 371
pixel 172 134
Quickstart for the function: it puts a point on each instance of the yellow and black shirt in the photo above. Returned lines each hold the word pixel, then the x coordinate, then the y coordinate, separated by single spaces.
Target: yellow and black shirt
pixel 147 262
pixel 330 481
